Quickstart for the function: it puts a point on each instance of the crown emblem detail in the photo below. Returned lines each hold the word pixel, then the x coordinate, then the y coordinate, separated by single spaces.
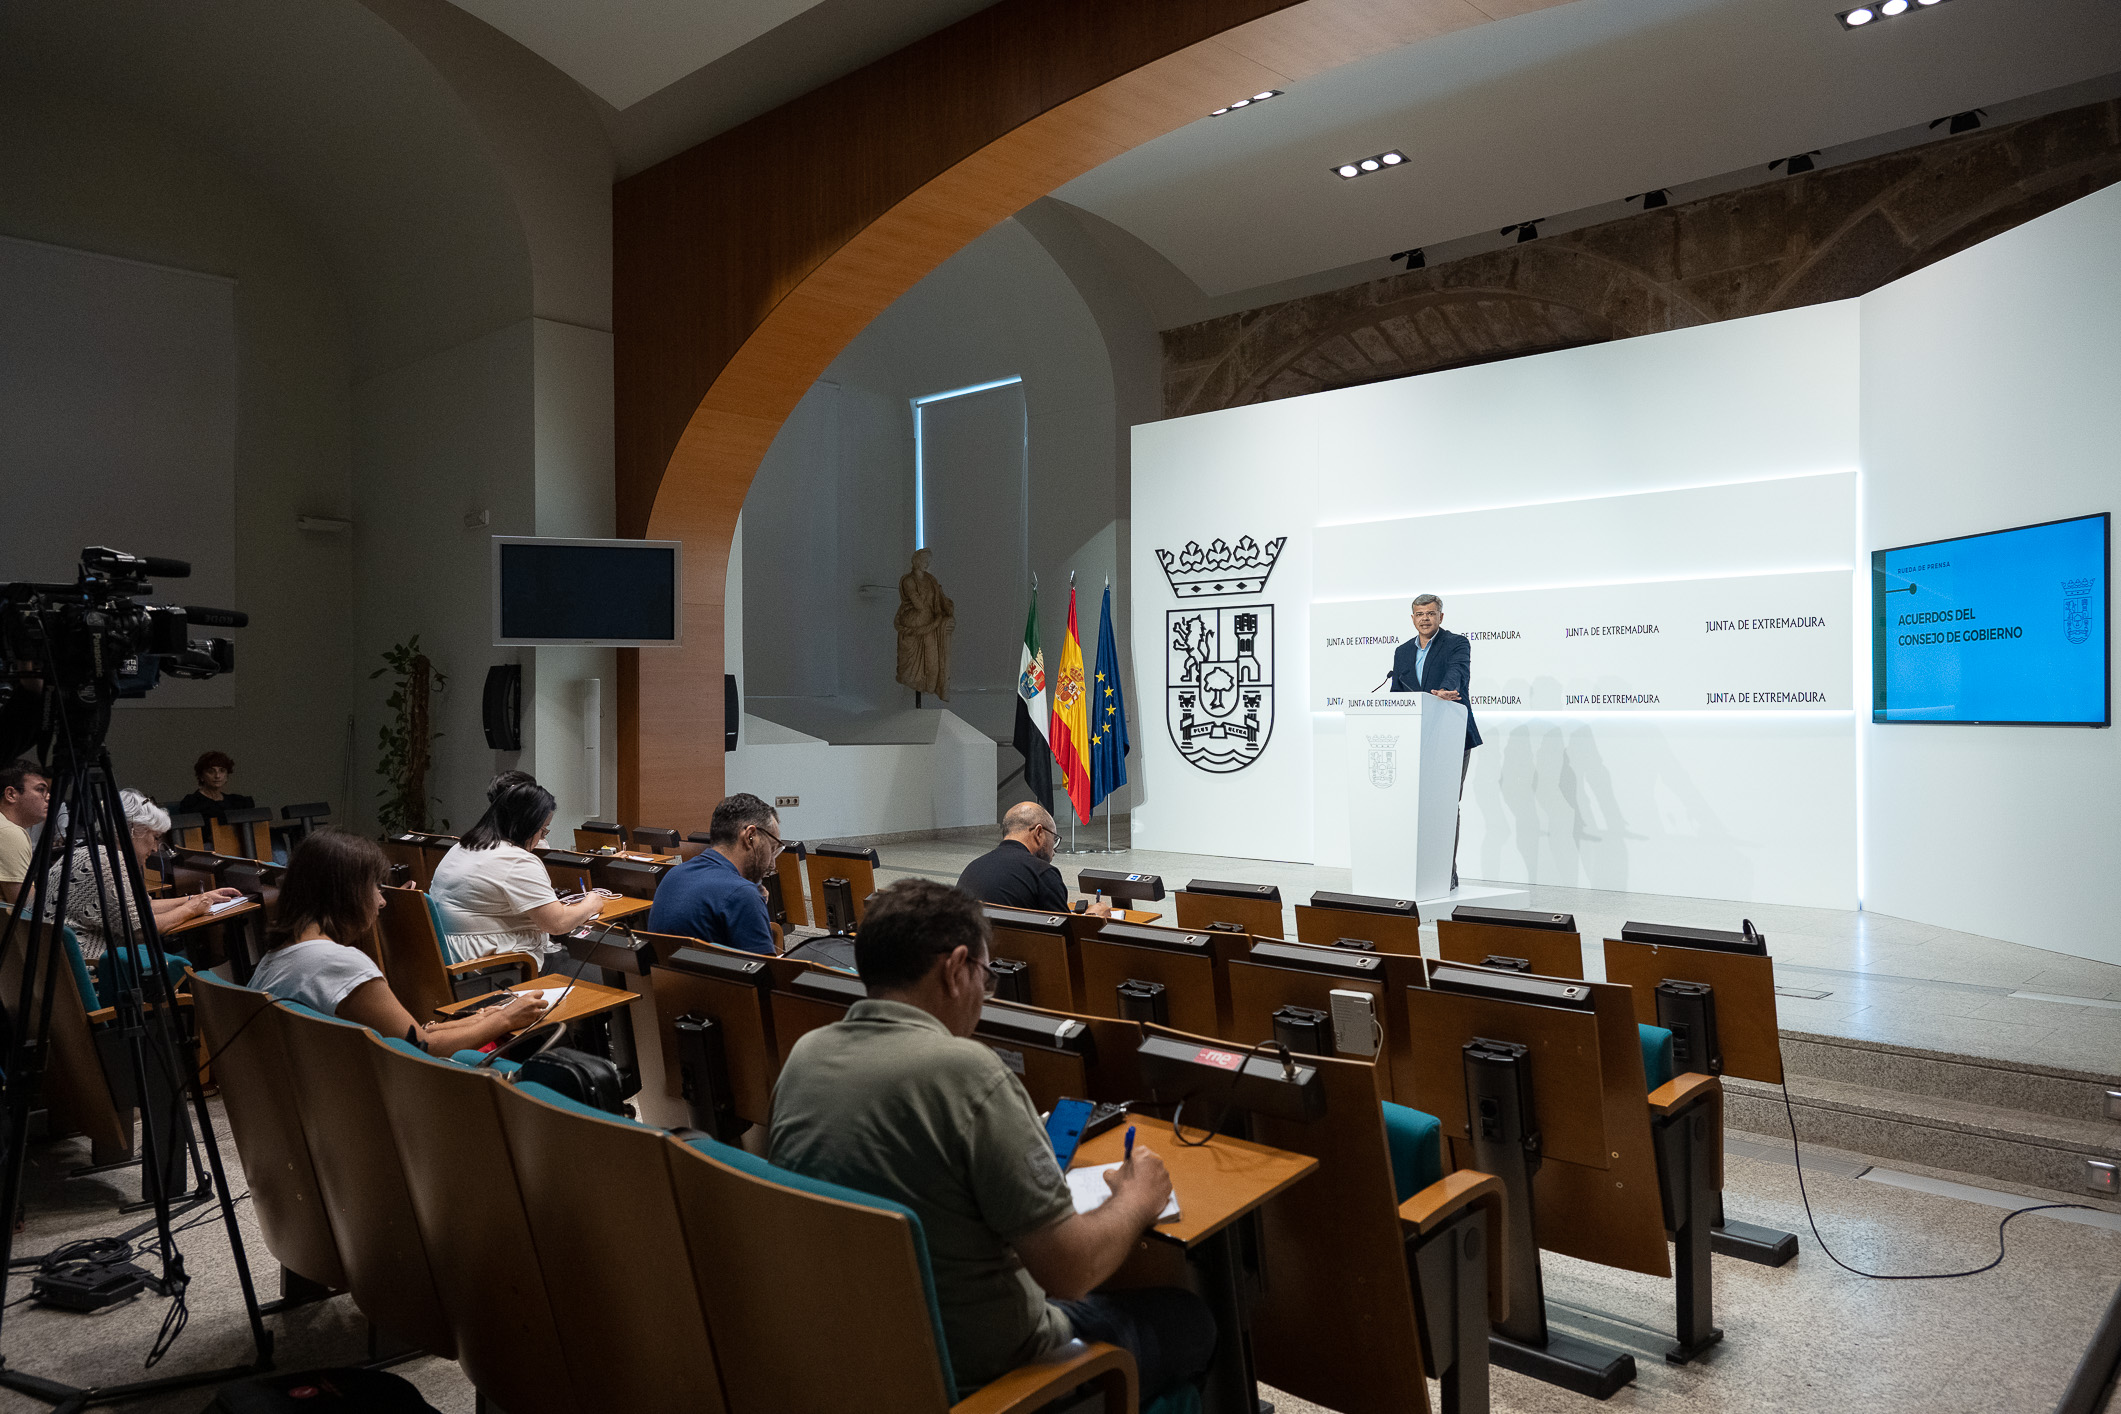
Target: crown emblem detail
pixel 1222 568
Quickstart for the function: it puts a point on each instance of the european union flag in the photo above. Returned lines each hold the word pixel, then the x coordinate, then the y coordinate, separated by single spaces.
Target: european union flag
pixel 1108 713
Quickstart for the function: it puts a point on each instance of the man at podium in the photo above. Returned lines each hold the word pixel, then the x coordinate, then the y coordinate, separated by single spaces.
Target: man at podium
pixel 1436 660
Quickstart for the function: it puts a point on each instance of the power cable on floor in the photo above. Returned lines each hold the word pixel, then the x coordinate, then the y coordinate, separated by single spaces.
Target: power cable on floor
pixel 1797 1154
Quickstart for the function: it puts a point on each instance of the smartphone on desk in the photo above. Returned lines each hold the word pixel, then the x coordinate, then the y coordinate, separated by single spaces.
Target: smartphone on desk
pixel 1065 1128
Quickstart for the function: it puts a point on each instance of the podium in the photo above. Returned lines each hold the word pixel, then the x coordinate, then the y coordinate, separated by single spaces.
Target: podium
pixel 1405 753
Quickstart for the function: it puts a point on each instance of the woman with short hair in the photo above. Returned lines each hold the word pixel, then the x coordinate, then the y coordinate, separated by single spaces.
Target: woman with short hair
pixel 333 890
pixel 211 801
pixel 494 894
pixel 88 911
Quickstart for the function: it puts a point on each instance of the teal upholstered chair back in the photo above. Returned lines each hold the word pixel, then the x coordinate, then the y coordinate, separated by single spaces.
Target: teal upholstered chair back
pixel 1656 1056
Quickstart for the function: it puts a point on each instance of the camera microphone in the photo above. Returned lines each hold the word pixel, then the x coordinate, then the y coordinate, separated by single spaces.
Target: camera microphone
pixel 214 618
pixel 102 557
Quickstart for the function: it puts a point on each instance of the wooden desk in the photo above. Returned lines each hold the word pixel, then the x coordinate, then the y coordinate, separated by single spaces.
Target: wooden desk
pixel 616 908
pixel 1122 915
pixel 208 920
pixel 1217 1183
pixel 585 1000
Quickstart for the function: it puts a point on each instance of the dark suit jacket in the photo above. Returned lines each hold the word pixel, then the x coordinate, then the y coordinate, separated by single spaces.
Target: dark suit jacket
pixel 1449 665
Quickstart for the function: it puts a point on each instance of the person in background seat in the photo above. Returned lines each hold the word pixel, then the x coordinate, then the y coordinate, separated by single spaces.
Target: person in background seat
pixel 1019 872
pixel 334 890
pixel 494 894
pixel 25 797
pixel 212 799
pixel 716 896
pixel 897 1101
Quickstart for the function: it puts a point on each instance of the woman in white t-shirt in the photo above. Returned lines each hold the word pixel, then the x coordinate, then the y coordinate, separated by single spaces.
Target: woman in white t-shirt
pixel 334 889
pixel 494 893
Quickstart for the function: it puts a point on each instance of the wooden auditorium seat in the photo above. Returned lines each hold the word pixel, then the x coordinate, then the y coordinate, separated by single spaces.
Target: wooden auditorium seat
pixel 1183 963
pixel 1040 941
pixel 608 1235
pixel 827 861
pixel 1325 925
pixel 652 840
pixel 765 1243
pixel 733 990
pixel 355 1156
pixel 1340 1321
pixel 264 1117
pixel 461 1180
pixel 594 835
pixel 409 948
pixel 788 868
pixel 1200 910
pixel 1551 954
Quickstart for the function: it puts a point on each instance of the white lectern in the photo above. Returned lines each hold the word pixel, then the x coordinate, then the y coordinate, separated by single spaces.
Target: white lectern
pixel 1405 754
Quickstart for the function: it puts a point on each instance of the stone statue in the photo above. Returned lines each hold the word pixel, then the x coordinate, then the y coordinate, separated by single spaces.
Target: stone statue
pixel 924 622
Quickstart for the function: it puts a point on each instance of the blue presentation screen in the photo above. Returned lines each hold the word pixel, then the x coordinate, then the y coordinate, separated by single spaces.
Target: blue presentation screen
pixel 2004 628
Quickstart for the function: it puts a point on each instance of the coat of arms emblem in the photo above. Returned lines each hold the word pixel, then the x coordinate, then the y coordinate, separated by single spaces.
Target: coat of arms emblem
pixel 1219 684
pixel 1219 661
pixel 1384 761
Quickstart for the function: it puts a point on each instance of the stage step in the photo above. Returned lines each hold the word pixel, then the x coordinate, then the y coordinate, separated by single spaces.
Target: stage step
pixel 2020 1124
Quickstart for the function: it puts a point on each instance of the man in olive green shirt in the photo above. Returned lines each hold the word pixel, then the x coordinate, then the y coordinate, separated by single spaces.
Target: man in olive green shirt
pixel 896 1101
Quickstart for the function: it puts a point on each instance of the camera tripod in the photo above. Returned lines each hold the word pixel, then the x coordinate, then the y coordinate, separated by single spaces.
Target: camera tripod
pixel 95 843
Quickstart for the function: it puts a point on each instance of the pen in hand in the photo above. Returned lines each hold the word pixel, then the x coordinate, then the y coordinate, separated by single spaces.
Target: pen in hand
pixel 1128 1156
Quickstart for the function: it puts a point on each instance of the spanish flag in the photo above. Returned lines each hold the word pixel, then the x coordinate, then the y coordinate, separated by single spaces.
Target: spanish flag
pixel 1070 734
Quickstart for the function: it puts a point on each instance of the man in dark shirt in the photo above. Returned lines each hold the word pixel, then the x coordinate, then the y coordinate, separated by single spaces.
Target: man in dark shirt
pixel 715 895
pixel 1019 872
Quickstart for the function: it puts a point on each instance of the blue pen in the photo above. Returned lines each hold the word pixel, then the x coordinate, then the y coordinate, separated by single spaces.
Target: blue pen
pixel 1128 1157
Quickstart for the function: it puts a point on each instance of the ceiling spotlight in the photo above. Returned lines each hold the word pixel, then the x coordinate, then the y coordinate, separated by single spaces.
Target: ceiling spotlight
pixel 1525 230
pixel 1802 162
pixel 1652 199
pixel 1414 258
pixel 1263 97
pixel 1963 122
pixel 1880 10
pixel 1362 166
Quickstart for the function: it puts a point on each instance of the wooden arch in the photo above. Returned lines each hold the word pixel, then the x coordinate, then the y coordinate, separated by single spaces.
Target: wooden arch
pixel 742 267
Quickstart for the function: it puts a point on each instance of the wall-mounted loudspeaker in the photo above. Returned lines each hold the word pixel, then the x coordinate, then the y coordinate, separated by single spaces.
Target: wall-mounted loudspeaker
pixel 502 708
pixel 732 711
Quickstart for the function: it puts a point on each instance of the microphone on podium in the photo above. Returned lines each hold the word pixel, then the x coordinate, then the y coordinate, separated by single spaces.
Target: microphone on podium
pixel 1381 683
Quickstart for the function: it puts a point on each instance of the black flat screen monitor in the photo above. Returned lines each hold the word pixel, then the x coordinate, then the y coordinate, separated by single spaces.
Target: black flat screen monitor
pixel 595 593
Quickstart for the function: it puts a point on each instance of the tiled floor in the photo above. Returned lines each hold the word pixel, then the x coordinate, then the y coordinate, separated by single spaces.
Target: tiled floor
pixel 1799 1339
pixel 1886 979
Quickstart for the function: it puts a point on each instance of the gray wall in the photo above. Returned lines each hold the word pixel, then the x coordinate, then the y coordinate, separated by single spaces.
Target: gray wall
pixel 835 493
pixel 78 175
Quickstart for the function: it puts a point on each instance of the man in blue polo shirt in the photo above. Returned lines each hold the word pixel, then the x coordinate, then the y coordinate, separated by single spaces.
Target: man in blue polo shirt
pixel 715 895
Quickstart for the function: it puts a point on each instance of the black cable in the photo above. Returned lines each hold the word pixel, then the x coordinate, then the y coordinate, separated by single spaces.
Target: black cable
pixel 1797 1155
pixel 1229 1097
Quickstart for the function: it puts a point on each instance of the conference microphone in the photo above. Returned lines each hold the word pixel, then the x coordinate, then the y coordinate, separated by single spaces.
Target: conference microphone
pixel 1381 684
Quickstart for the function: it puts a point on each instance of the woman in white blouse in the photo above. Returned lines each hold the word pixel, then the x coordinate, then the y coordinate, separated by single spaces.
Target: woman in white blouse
pixel 494 893
pixel 334 890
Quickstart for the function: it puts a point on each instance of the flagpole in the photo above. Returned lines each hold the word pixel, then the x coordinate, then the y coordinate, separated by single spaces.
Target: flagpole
pixel 1108 847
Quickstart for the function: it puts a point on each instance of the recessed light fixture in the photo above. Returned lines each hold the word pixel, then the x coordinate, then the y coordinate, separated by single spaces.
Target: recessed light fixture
pixel 1415 259
pixel 1802 162
pixel 1652 199
pixel 1363 166
pixel 1276 93
pixel 1877 10
pixel 1523 230
pixel 1962 122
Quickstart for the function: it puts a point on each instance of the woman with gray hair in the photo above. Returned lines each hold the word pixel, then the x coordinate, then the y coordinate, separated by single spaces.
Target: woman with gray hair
pixel 86 912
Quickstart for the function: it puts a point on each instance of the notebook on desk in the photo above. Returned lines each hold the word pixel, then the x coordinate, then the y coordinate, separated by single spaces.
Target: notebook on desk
pixel 1090 1192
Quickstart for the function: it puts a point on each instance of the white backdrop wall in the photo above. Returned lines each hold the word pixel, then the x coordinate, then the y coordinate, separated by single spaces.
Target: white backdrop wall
pixel 1990 400
pixel 1573 474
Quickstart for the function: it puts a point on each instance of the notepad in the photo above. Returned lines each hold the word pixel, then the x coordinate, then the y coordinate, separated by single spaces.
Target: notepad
pixel 226 904
pixel 1089 1190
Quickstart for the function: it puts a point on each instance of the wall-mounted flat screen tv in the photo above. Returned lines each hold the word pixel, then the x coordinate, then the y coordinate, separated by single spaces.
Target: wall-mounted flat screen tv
pixel 2008 628
pixel 595 593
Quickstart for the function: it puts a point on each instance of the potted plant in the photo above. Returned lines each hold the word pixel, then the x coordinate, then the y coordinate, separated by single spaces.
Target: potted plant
pixel 407 740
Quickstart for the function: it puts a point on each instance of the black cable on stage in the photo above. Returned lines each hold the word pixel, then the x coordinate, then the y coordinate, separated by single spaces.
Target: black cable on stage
pixel 1797 1154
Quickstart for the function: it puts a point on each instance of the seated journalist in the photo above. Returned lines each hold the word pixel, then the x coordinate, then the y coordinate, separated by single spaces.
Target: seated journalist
pixel 897 1101
pixel 716 896
pixel 333 890
pixel 1019 872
